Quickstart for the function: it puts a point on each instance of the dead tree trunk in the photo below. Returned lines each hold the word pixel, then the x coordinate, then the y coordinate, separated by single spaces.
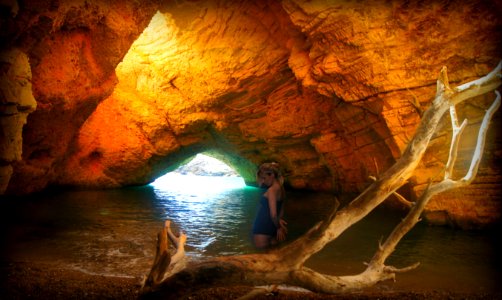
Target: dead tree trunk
pixel 286 264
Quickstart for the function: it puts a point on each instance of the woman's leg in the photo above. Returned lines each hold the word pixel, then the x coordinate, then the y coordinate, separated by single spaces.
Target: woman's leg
pixel 262 241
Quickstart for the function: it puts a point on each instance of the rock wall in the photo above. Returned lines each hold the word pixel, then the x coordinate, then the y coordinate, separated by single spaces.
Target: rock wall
pixel 331 90
pixel 16 102
pixel 73 48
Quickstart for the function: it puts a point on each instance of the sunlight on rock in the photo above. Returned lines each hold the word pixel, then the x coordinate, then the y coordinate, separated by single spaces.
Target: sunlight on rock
pixel 204 165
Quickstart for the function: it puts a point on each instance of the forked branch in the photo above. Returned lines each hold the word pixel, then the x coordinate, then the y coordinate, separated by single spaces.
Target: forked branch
pixel 165 263
pixel 377 270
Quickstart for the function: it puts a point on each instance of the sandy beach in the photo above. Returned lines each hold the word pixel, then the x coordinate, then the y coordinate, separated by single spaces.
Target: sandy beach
pixel 45 281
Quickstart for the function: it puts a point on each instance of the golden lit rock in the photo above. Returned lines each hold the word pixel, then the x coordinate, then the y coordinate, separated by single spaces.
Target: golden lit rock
pixel 16 102
pixel 73 48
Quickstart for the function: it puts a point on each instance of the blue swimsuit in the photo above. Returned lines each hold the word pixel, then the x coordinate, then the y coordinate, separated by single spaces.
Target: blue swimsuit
pixel 263 223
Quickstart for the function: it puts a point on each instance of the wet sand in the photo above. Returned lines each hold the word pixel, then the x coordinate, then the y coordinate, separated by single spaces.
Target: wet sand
pixel 46 281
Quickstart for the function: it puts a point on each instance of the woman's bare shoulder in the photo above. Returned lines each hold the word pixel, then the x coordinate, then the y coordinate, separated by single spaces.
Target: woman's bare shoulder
pixel 276 189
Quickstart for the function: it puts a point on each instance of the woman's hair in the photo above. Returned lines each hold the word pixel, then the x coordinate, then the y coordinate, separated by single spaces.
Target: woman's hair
pixel 272 167
pixel 275 169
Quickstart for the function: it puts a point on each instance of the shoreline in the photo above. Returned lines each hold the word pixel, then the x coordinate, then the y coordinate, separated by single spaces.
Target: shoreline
pixel 35 280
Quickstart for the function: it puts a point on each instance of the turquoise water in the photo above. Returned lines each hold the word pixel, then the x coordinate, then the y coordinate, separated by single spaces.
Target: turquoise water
pixel 113 232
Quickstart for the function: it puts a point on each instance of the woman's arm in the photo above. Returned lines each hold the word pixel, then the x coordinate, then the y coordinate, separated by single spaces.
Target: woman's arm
pixel 272 204
pixel 273 197
pixel 282 230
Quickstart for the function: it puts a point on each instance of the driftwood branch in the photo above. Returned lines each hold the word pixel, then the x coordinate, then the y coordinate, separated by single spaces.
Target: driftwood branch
pixel 446 184
pixel 456 134
pixel 398 196
pixel 165 263
pixel 376 270
pixel 285 265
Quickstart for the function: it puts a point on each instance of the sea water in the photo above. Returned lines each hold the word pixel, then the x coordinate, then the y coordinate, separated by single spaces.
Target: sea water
pixel 113 233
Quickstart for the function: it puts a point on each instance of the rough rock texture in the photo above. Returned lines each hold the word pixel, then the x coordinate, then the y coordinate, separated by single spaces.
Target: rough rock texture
pixel 73 48
pixel 333 90
pixel 16 102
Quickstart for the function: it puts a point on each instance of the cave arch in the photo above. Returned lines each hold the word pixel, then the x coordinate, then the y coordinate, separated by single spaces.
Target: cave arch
pixel 241 166
pixel 319 99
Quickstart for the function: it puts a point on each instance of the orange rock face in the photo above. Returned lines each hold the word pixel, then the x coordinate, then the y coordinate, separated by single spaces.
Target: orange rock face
pixel 333 92
pixel 73 48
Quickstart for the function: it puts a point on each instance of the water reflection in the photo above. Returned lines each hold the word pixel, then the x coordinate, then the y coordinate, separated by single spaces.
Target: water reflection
pixel 214 212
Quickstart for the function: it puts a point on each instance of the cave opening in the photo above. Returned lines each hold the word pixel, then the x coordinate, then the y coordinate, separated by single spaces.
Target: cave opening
pixel 201 175
pixel 210 202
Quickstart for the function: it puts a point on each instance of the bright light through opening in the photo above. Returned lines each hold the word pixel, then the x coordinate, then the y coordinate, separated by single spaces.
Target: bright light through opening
pixel 201 176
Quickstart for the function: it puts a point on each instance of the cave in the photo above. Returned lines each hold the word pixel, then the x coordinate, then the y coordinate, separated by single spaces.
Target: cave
pixel 121 93
pixel 103 95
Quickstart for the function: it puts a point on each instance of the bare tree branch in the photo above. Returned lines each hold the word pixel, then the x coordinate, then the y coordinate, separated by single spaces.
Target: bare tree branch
pixel 483 130
pixel 456 134
pixel 166 264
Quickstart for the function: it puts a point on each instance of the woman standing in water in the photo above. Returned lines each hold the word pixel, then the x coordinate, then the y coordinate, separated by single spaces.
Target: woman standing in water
pixel 268 227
